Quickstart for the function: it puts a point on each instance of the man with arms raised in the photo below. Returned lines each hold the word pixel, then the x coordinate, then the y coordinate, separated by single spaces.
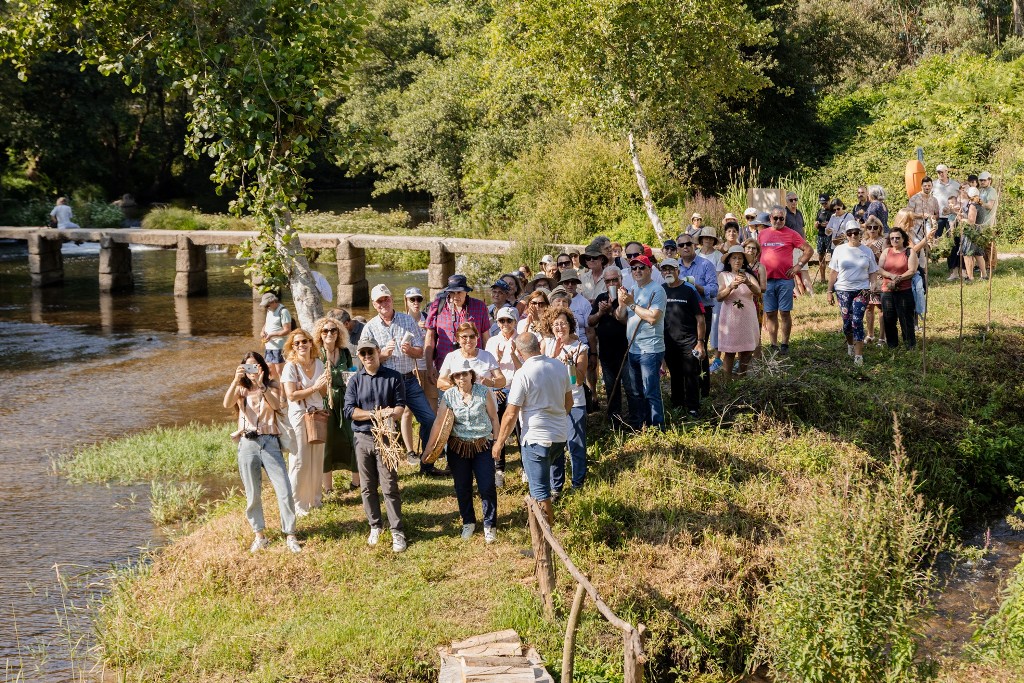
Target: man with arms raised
pixel 643 311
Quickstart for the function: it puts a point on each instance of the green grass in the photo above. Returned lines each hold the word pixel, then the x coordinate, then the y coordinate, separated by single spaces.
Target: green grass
pixel 185 452
pixel 171 502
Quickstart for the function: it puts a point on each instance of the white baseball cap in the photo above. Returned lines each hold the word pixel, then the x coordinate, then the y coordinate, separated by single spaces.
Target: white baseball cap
pixel 984 175
pixel 379 292
pixel 750 212
pixel 941 168
pixel 851 225
pixel 973 192
pixel 547 258
pixel 413 291
pixel 506 312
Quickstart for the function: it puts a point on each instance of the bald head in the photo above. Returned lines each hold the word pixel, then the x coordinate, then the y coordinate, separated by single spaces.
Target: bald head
pixel 528 344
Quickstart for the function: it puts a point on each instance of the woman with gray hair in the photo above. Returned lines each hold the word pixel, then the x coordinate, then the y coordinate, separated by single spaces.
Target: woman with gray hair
pixel 611 342
pixel 877 207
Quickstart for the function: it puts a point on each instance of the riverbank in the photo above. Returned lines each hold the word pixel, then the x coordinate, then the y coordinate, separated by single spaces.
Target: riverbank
pixel 685 532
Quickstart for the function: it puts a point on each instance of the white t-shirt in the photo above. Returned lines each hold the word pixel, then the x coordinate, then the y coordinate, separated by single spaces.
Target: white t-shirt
pixel 580 308
pixel 501 349
pixel 834 227
pixel 547 345
pixel 854 265
pixel 482 364
pixel 293 373
pixel 276 320
pixel 62 212
pixel 524 326
pixel 539 389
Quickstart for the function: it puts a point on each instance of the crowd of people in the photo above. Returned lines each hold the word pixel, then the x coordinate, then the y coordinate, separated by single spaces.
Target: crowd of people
pixel 472 374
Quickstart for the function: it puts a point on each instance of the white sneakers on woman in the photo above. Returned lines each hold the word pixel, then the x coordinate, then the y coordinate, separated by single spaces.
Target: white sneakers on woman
pixel 490 534
pixel 467 531
pixel 262 542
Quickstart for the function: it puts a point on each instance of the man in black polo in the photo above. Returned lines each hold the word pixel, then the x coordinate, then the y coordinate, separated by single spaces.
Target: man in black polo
pixel 372 387
pixel 685 340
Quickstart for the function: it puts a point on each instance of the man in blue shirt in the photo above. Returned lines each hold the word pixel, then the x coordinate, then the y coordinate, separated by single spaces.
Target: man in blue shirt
pixel 702 274
pixel 373 387
pixel 643 310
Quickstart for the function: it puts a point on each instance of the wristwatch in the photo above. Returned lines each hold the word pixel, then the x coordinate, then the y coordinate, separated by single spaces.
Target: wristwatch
pixel 632 307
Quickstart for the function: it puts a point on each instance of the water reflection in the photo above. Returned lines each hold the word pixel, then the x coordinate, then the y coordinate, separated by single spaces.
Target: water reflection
pixel 75 368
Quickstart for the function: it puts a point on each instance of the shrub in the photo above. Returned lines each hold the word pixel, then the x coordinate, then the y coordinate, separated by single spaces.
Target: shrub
pixel 171 218
pixel 1000 640
pixel 170 503
pixel 98 215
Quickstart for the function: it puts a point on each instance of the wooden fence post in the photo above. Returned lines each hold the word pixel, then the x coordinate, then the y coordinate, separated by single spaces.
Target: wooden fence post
pixel 633 667
pixel 543 566
pixel 569 645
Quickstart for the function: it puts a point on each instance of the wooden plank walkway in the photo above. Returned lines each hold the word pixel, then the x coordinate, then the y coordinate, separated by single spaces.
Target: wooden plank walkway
pixel 489 658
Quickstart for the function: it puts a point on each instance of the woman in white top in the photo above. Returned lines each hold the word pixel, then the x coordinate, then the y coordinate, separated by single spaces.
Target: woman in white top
pixel 306 382
pixel 503 347
pixel 851 276
pixel 253 396
pixel 561 341
pixel 484 364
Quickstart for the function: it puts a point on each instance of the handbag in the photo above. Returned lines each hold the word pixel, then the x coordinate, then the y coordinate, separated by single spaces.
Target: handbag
pixel 315 421
pixel 285 433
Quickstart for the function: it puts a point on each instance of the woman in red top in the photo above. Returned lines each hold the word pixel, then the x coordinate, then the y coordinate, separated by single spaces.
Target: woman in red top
pixel 897 266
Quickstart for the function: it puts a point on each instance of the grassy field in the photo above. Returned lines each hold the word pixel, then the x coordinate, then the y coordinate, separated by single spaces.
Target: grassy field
pixel 683 531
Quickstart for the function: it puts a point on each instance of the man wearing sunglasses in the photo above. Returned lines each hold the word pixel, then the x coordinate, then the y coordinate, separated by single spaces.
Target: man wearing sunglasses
pixel 777 245
pixel 632 250
pixel 643 311
pixel 701 274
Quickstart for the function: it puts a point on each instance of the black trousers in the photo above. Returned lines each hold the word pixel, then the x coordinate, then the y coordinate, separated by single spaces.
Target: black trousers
pixel 684 374
pixel 954 259
pixel 898 307
pixel 705 372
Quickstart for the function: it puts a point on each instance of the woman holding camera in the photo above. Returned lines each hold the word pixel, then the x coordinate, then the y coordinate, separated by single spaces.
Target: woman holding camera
pixel 253 396
pixel 305 384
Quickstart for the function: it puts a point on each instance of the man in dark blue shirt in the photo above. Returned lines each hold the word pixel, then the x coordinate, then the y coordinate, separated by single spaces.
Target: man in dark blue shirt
pixel 373 387
pixel 685 338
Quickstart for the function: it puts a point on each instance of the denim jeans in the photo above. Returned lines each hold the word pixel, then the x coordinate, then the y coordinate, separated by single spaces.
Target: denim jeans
pixel 463 470
pixel 265 452
pixel 645 371
pixel 537 461
pixel 416 401
pixel 577 447
pixel 917 284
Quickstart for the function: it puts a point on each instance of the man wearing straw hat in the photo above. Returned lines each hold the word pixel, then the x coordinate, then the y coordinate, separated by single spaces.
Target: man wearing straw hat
pixel 372 387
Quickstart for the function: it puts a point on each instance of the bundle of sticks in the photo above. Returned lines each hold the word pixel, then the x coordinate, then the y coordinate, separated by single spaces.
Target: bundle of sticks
pixel 387 439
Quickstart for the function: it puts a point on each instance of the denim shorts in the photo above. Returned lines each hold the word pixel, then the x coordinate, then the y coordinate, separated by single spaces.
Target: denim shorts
pixel 273 356
pixel 778 296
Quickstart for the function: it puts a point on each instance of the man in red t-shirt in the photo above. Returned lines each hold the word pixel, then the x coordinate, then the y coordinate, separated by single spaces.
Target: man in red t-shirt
pixel 777 245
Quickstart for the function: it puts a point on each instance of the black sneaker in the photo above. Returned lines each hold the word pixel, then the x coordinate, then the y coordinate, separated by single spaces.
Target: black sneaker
pixel 692 414
pixel 784 349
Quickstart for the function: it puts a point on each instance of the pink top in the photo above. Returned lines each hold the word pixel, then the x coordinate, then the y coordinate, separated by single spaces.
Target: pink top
pixel 777 251
pixel 896 262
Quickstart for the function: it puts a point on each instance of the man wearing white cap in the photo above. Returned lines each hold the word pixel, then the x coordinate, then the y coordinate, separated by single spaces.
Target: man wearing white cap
pixel 943 188
pixel 503 347
pixel 400 341
pixel 276 329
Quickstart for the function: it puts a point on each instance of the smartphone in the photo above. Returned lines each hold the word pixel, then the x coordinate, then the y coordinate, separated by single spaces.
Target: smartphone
pixel 251 368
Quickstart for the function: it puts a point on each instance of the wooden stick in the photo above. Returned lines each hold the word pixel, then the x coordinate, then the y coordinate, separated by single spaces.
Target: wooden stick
pixel 633 664
pixel 569 645
pixel 962 261
pixel 544 568
pixel 991 275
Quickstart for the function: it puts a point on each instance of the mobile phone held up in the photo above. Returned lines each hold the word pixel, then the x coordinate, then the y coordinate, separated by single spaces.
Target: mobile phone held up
pixel 251 368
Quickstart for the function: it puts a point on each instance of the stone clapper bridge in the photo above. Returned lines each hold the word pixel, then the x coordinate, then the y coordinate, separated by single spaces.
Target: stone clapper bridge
pixel 46 262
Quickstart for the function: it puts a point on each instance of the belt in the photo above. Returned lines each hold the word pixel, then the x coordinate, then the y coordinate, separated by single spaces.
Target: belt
pixel 409 375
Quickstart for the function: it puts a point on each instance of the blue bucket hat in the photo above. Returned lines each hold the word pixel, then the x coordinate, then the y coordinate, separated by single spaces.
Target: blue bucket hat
pixel 457 283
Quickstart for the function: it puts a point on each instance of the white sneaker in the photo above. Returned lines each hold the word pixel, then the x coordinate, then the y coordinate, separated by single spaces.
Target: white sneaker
pixel 490 534
pixel 499 478
pixel 293 544
pixel 373 537
pixel 849 350
pixel 467 531
pixel 858 360
pixel 412 459
pixel 398 543
pixel 258 544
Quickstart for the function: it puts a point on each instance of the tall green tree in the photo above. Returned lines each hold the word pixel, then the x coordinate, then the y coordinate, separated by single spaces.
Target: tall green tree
pixel 258 74
pixel 636 67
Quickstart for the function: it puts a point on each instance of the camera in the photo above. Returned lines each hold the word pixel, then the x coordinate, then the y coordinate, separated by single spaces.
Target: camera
pixel 251 434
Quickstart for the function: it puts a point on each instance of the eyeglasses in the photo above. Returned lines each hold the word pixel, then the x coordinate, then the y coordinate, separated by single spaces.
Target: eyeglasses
pixel 896 238
pixel 467 336
pixel 685 244
pixel 666 269
pixel 791 199
pixel 301 342
pixel 778 218
pixel 329 330
pixel 610 280
pixel 502 321
pixel 634 255
pixel 855 233
pixel 540 304
pixel 366 353
pixel 416 299
pixel 564 264
pixel 638 269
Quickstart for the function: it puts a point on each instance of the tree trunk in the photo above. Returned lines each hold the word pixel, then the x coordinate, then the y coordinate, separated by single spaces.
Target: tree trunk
pixel 645 191
pixel 309 306
pixel 1018 19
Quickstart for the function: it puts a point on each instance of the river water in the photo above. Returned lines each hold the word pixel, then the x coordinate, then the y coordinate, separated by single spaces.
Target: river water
pixel 77 367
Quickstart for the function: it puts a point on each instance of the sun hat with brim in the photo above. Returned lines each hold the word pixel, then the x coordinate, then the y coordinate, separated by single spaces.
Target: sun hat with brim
pixel 559 291
pixel 367 343
pixel 750 211
pixel 538 278
pixel 592 252
pixel 268 299
pixel 708 232
pixel 762 219
pixel 734 249
pixel 457 283
pixel 570 275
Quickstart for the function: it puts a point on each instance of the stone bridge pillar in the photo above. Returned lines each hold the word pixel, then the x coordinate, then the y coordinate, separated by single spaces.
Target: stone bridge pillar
pixel 45 261
pixel 190 269
pixel 115 265
pixel 353 288
pixel 442 266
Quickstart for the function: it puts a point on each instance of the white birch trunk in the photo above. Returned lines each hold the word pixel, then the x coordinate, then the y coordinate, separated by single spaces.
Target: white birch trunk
pixel 645 191
pixel 309 306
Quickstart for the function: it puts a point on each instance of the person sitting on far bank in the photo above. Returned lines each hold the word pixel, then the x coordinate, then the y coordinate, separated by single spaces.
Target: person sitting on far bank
pixel 253 396
pixel 306 382
pixel 61 213
pixel 503 347
pixel 469 448
pixel 400 343
pixel 851 275
pixel 611 345
pixel 643 311
pixel 562 342
pixel 777 246
pixel 540 399
pixel 739 332
pixel 684 338
pixel 483 363
pixel 276 329
pixel 371 388
pixel 331 344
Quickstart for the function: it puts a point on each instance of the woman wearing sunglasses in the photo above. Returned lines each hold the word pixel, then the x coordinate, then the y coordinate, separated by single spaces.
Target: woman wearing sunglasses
pixel 253 395
pixel 306 381
pixel 851 274
pixel 331 342
pixel 897 266
pixel 483 363
pixel 536 304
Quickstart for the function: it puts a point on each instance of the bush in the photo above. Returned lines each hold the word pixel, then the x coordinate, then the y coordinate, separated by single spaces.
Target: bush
pixel 1000 640
pixel 852 578
pixel 170 503
pixel 173 218
pixel 98 215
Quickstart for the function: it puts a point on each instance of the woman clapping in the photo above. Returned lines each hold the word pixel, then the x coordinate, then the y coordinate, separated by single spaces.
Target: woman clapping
pixel 560 341
pixel 305 384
